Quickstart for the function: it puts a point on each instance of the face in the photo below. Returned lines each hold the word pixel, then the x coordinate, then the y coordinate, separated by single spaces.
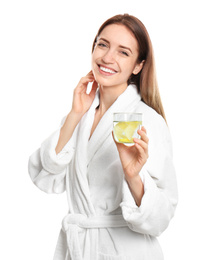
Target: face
pixel 115 55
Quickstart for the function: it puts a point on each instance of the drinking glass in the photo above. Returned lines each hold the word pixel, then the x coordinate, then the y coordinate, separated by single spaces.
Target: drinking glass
pixel 125 127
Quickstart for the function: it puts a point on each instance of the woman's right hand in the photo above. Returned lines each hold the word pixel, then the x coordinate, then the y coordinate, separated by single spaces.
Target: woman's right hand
pixel 81 103
pixel 81 100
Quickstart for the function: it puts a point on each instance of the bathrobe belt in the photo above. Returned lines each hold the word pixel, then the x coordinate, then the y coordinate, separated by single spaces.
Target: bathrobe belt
pixel 72 222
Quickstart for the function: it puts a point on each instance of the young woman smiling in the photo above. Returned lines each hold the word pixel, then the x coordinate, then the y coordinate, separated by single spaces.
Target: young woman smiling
pixel 120 198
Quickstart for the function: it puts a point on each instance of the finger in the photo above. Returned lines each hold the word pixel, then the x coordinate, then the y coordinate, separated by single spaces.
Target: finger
pixel 90 73
pixel 142 144
pixel 93 90
pixel 143 134
pixel 86 79
pixel 89 77
pixel 142 152
pixel 143 129
pixel 94 86
pixel 83 83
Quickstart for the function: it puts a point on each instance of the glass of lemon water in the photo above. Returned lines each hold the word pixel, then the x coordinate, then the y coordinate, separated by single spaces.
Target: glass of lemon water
pixel 125 127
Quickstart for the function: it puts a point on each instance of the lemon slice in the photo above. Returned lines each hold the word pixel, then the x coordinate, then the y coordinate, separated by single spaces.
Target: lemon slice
pixel 126 131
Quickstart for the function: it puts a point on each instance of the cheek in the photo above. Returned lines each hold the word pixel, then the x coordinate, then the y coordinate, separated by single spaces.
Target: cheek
pixel 93 60
pixel 95 56
pixel 97 53
pixel 128 68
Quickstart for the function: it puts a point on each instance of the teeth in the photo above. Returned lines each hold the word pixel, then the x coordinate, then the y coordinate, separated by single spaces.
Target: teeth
pixel 107 70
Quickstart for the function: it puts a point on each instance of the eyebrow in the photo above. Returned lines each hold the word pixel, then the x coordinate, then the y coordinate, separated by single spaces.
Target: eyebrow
pixel 121 46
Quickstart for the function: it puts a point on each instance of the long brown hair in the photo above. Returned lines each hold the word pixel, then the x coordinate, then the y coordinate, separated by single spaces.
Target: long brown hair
pixel 145 80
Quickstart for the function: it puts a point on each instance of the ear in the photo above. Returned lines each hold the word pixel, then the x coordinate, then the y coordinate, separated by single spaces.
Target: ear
pixel 138 67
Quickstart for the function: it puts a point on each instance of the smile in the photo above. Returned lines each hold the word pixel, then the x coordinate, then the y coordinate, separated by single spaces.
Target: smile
pixel 107 70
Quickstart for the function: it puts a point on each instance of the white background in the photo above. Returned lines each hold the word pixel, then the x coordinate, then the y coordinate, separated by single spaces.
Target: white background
pixel 45 49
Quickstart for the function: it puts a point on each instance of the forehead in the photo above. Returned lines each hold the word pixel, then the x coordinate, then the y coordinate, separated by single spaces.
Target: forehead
pixel 120 35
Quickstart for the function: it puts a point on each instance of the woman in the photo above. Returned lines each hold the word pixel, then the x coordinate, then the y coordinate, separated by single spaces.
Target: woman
pixel 119 199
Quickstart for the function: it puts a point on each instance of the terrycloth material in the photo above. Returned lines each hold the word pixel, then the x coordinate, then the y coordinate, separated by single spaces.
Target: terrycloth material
pixel 104 223
pixel 72 222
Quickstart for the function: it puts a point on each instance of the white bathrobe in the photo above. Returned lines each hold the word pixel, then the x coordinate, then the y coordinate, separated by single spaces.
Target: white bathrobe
pixel 104 222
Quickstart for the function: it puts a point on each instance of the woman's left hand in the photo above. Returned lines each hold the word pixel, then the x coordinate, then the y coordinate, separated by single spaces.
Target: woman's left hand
pixel 134 157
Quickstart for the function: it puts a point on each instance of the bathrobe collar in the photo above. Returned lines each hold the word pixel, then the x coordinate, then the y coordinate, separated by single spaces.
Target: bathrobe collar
pixel 126 102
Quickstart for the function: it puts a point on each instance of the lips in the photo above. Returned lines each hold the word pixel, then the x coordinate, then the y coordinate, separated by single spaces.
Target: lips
pixel 106 70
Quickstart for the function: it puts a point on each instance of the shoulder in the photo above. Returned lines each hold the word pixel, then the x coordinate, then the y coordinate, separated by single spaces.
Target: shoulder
pixel 153 122
pixel 150 116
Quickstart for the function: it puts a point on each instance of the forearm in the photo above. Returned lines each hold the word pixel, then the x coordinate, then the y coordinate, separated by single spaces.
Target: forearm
pixel 67 130
pixel 136 187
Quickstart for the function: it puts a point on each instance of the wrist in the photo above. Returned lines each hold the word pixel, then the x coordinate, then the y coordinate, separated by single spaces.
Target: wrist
pixel 75 115
pixel 132 180
pixel 136 187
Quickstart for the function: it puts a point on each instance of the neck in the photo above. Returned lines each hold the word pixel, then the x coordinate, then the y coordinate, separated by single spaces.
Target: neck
pixel 108 95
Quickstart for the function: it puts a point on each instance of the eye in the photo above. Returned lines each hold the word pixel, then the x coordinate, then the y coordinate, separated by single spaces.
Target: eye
pixel 100 44
pixel 124 53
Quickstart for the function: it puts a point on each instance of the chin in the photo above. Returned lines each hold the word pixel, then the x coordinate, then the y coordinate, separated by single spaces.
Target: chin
pixel 102 81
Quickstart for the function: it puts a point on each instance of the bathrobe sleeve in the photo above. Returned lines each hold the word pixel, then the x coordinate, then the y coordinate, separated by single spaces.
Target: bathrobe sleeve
pixel 48 169
pixel 160 188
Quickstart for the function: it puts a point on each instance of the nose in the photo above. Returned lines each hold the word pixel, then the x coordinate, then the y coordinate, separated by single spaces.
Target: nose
pixel 109 57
